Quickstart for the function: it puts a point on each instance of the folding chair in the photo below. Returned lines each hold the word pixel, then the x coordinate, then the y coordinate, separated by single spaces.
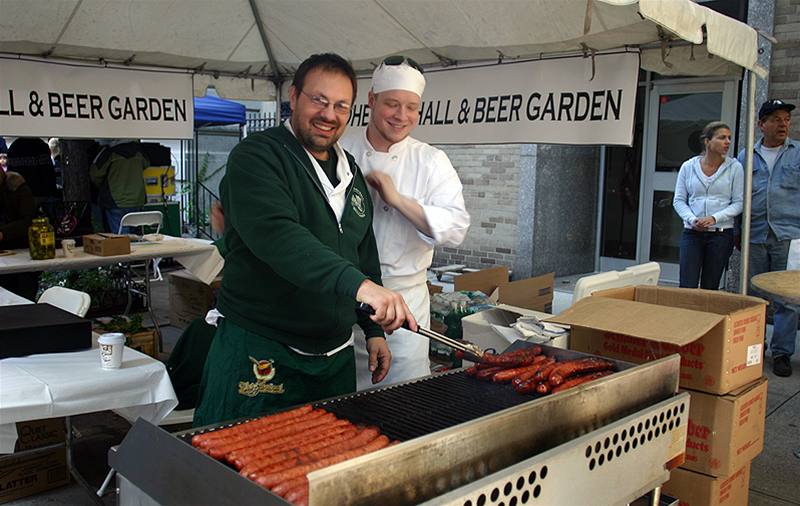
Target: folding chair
pixel 72 301
pixel 143 219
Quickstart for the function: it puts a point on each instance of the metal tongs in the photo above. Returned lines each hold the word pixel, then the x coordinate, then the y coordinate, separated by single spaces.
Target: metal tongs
pixel 470 351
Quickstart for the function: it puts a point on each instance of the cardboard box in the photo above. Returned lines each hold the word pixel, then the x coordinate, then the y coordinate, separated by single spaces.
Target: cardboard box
pixel 726 432
pixel 30 472
pixel 478 327
pixel 190 298
pixel 532 293
pixel 720 336
pixel 145 341
pixel 38 433
pixel 432 289
pixel 106 245
pixel 696 489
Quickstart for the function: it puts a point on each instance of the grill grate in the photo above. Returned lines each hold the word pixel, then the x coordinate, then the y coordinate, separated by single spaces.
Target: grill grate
pixel 430 404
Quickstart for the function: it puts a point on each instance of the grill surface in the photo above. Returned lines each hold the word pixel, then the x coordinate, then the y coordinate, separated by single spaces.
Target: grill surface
pixel 425 406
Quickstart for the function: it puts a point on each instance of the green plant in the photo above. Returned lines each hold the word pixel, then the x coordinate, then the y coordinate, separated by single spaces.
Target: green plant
pixel 127 325
pixel 189 188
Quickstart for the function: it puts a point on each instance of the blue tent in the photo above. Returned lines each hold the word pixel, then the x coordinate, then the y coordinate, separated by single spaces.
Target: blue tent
pixel 210 111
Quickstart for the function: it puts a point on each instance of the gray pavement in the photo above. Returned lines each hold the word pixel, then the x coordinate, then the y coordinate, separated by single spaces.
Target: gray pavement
pixel 775 474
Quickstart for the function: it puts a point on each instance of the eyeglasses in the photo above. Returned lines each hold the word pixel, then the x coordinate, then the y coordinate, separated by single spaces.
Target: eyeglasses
pixel 399 59
pixel 323 103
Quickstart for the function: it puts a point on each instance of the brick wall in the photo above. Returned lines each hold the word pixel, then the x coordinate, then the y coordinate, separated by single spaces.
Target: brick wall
pixel 490 175
pixel 784 79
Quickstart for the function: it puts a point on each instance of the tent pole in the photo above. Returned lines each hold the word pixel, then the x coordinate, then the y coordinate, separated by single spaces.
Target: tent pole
pixel 748 183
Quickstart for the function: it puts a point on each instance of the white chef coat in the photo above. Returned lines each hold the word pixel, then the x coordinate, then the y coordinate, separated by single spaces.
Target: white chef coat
pixel 424 173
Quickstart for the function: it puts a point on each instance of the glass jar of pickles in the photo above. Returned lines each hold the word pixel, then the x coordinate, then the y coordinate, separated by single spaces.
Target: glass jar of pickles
pixel 41 239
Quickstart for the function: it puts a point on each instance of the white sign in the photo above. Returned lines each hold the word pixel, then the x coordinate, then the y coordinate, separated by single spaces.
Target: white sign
pixel 555 101
pixel 54 99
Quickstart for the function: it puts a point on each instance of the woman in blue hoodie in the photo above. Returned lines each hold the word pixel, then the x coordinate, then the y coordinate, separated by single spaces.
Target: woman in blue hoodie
pixel 708 196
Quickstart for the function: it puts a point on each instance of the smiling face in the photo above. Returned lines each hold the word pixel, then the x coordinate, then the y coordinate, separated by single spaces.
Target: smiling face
pixel 720 142
pixel 394 114
pixel 775 128
pixel 319 128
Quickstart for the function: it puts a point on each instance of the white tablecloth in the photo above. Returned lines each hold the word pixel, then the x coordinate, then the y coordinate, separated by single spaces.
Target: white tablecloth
pixel 199 256
pixel 62 384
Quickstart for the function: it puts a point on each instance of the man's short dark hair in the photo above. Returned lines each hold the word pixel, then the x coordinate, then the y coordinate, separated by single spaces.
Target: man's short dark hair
pixel 329 62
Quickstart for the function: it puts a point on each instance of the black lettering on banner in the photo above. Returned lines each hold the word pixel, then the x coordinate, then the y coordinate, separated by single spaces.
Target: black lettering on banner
pixel 565 104
pixel 11 111
pixel 155 109
pixel 35 104
pixel 613 105
pixel 501 109
pixel 532 111
pixel 82 106
pixel 114 109
pixel 428 116
pixel 480 110
pixel 358 114
pixel 180 108
pixel 69 105
pixel 582 101
pixel 96 105
pixel 168 110
pixel 490 108
pixel 516 102
pixel 597 104
pixel 128 109
pixel 463 112
pixel 141 109
pixel 549 108
pixel 54 102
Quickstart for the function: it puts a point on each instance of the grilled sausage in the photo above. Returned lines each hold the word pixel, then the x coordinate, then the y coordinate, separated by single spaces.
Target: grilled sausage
pixel 513 359
pixel 247 431
pixel 580 380
pixel 283 488
pixel 363 438
pixel 245 455
pixel 566 370
pixel 531 371
pixel 259 461
pixel 486 374
pixel 544 373
pixel 270 419
pixel 298 495
pixel 543 388
pixel 220 451
pixel 507 375
pixel 271 479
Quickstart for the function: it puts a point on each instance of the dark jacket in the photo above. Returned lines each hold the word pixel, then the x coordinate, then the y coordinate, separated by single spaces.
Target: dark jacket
pixel 291 272
pixel 17 209
pixel 118 173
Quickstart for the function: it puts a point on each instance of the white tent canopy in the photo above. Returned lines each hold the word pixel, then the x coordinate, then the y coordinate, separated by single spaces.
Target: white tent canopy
pixel 224 41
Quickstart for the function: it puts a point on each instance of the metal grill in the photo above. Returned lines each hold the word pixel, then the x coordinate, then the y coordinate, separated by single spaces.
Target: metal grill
pixel 425 406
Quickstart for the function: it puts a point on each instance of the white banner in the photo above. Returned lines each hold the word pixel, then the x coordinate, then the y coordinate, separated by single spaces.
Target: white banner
pixel 55 99
pixel 555 101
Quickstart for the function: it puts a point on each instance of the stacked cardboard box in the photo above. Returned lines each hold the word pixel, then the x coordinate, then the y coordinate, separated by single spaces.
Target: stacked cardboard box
pixel 531 293
pixel 720 338
pixel 38 463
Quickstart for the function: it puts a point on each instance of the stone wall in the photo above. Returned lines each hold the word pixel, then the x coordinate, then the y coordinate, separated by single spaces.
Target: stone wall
pixel 784 80
pixel 490 175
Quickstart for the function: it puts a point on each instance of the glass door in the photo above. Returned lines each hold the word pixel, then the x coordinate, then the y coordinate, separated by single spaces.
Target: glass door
pixel 676 116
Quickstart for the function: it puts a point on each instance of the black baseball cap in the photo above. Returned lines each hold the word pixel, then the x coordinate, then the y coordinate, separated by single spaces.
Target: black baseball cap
pixel 773 105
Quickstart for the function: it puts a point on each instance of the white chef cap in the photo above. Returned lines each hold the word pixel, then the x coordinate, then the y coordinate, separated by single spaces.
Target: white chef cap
pixel 398 77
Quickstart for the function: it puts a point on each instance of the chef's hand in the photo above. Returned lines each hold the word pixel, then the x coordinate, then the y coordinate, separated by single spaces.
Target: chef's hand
pixel 380 358
pixel 217 217
pixel 383 183
pixel 390 308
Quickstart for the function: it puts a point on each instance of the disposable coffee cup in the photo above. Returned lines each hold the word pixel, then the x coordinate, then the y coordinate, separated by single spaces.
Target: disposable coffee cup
pixel 68 246
pixel 111 346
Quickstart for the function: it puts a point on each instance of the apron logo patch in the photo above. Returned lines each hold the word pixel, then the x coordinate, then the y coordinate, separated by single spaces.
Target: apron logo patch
pixel 358 203
pixel 264 371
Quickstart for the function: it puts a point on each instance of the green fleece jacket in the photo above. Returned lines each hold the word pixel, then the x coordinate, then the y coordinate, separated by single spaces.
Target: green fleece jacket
pixel 291 271
pixel 118 173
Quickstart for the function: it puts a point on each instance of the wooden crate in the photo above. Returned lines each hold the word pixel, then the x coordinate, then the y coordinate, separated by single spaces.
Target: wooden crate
pixel 144 341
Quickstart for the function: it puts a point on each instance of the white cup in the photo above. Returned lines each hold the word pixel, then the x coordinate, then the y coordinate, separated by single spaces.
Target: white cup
pixel 111 346
pixel 68 246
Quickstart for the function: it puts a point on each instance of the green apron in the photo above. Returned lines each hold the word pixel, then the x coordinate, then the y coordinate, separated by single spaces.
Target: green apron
pixel 250 375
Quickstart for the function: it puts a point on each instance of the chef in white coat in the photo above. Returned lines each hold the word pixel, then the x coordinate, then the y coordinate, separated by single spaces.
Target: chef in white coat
pixel 418 205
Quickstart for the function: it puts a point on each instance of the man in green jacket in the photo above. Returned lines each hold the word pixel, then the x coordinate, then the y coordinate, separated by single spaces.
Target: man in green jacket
pixel 300 254
pixel 117 172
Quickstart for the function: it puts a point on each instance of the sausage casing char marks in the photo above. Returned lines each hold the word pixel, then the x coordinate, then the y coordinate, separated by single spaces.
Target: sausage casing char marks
pixel 531 372
pixel 278 451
